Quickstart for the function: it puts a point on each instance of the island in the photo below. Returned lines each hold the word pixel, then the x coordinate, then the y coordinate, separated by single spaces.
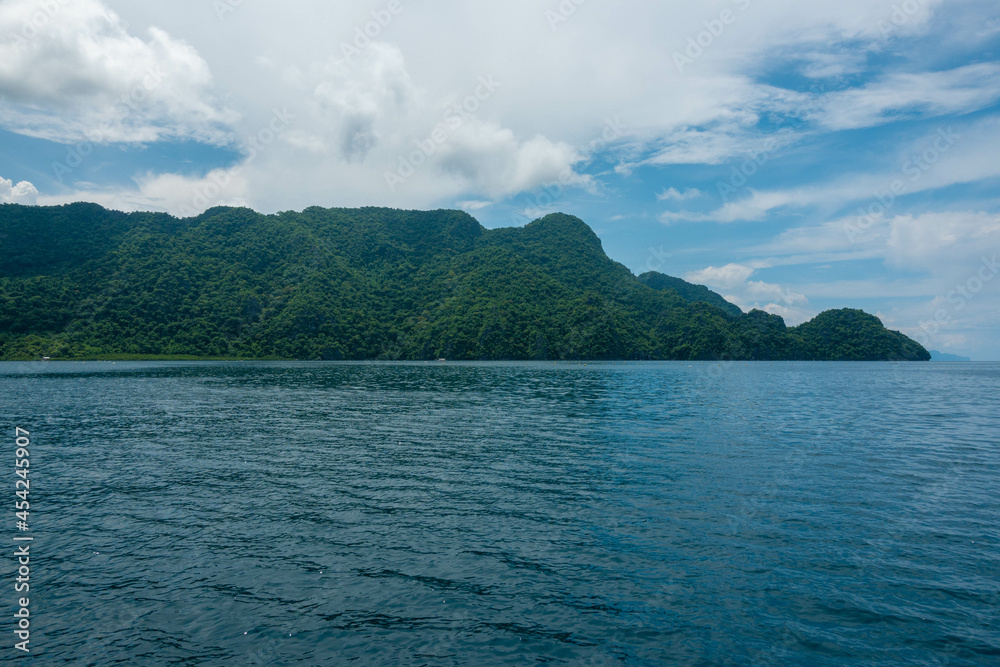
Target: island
pixel 82 282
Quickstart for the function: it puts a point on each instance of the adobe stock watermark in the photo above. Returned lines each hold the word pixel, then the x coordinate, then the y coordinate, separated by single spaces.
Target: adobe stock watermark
pixel 562 13
pixel 714 29
pixel 914 168
pixel 225 7
pixel 453 118
pixel 123 107
pixel 656 259
pixel 22 585
pixel 741 175
pixel 366 34
pixel 37 22
pixel 211 191
pixel 535 207
pixel 901 15
pixel 959 297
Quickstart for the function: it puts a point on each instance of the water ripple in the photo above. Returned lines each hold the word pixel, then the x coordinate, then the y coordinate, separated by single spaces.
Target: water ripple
pixel 452 514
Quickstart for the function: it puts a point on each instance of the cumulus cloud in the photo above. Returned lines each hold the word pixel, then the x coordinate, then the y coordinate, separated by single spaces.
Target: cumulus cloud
pixel 20 193
pixel 353 97
pixel 368 122
pixel 72 72
pixel 734 281
pixel 723 277
pixel 497 164
pixel 367 112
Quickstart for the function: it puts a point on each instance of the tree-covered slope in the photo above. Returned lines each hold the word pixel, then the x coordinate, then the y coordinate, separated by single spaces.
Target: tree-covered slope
pixel 689 292
pixel 854 335
pixel 369 283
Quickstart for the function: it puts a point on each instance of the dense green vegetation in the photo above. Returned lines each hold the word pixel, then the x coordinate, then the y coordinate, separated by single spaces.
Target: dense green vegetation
pixel 79 281
pixel 689 292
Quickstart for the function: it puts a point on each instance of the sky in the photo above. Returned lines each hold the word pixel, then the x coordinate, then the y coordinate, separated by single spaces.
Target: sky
pixel 794 157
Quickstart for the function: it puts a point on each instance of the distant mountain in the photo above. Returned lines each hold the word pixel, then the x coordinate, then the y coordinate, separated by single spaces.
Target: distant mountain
pixel 79 281
pixel 944 356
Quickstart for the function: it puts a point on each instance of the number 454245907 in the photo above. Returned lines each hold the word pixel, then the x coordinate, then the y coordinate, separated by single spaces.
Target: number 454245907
pixel 21 470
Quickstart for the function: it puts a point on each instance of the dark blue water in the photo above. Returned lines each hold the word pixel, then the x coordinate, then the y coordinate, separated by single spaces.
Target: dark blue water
pixel 490 514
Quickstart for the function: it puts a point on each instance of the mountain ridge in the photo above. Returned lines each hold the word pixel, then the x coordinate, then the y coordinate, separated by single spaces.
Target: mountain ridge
pixel 689 292
pixel 371 283
pixel 945 356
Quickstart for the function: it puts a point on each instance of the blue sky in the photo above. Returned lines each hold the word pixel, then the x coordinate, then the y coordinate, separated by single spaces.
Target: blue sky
pixel 792 156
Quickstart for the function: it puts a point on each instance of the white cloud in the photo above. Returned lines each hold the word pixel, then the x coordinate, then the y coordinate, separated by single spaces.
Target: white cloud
pixel 598 65
pixel 731 212
pixel 933 243
pixel 758 291
pixel 73 72
pixel 719 144
pixel 830 64
pixel 495 163
pixel 21 193
pixel 922 94
pixel 352 123
pixel 827 240
pixel 355 119
pixel 732 134
pixel 723 277
pixel 367 130
pixel 941 246
pixel 942 243
pixel 353 97
pixel 793 316
pixel 474 205
pixel 673 194
pixel 943 157
pixel 178 195
pixel 949 260
pixel 734 280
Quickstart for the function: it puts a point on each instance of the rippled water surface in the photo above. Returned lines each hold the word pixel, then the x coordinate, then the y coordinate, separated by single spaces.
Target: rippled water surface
pixel 453 514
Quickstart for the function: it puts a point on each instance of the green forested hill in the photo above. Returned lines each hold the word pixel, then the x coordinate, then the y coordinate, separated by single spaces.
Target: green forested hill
pixel 372 283
pixel 689 292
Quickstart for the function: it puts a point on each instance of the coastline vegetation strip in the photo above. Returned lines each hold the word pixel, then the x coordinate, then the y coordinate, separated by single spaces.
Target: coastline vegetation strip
pixel 144 357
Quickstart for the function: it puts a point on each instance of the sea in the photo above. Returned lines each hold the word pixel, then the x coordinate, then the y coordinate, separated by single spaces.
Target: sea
pixel 441 513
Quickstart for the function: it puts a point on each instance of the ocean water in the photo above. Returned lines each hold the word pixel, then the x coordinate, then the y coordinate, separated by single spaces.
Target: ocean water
pixel 508 513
